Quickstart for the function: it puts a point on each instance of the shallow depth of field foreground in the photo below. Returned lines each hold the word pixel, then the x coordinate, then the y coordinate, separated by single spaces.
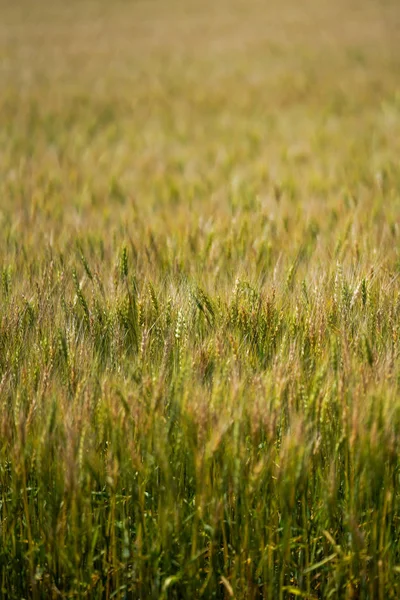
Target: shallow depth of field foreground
pixel 200 299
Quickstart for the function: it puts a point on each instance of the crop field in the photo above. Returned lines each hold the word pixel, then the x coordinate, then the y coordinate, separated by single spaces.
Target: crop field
pixel 200 299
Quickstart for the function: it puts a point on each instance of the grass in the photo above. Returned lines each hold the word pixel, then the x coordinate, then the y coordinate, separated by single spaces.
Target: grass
pixel 200 302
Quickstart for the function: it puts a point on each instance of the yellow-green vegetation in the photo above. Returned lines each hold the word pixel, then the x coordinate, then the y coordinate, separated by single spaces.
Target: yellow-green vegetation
pixel 200 300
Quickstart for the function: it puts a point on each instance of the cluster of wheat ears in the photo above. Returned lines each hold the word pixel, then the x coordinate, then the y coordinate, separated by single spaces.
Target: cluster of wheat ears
pixel 199 300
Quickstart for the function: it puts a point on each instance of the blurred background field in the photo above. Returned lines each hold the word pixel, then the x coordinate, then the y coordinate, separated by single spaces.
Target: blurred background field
pixel 182 103
pixel 199 305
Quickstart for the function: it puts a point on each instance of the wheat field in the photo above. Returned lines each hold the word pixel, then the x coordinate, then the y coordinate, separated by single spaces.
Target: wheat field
pixel 199 299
